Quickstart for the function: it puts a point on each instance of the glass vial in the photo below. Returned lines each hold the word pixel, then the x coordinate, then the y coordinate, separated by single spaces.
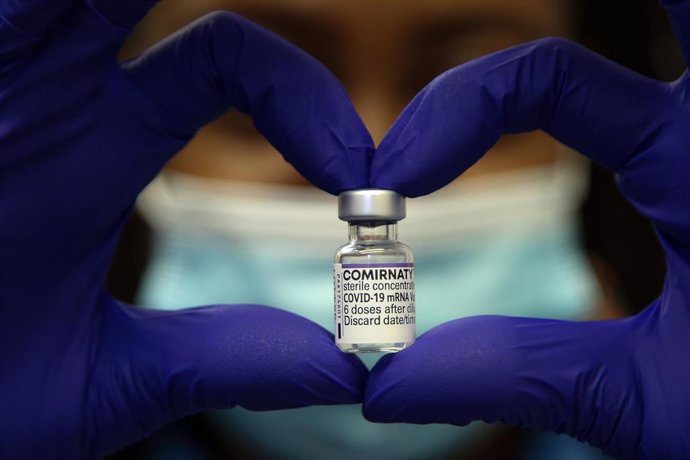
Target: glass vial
pixel 373 275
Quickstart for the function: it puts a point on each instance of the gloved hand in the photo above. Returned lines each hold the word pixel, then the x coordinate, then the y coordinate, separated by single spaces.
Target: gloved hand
pixel 620 385
pixel 81 135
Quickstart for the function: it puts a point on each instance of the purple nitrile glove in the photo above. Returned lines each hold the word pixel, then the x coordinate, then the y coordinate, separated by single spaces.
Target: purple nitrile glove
pixel 80 136
pixel 621 385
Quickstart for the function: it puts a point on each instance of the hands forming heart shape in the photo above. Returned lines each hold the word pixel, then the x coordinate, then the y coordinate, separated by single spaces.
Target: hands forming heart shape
pixel 82 135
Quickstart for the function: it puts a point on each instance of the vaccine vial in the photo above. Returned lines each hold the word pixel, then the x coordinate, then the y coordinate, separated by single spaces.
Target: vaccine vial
pixel 373 275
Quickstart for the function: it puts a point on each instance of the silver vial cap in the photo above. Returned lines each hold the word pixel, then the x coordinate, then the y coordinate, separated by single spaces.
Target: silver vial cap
pixel 371 204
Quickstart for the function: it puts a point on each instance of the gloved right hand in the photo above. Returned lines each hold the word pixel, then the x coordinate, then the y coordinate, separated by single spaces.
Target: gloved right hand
pixel 620 385
pixel 81 374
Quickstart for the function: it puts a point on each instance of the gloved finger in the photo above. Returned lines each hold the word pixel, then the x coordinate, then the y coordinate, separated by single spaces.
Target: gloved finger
pixel 24 24
pixel 155 366
pixel 599 108
pixel 123 14
pixel 97 31
pixel 679 13
pixel 223 61
pixel 566 377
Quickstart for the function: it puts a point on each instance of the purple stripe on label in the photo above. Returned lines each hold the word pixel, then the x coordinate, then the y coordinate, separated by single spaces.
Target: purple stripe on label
pixel 391 265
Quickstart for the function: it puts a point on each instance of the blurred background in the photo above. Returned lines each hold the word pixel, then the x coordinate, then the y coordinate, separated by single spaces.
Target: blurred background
pixel 532 229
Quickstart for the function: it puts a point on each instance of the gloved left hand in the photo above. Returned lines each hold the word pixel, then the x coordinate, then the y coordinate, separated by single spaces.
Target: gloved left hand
pixel 621 385
pixel 81 135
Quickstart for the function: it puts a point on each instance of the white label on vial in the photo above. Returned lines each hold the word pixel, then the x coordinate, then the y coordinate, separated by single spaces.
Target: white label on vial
pixel 374 303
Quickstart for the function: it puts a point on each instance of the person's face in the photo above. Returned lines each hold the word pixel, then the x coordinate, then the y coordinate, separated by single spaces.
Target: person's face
pixel 383 52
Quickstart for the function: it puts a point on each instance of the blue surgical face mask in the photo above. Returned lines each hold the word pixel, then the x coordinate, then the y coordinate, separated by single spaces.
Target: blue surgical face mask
pixel 499 245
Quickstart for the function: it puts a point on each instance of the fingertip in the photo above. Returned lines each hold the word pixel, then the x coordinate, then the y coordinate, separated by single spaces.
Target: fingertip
pixel 345 156
pixel 328 376
pixel 342 376
pixel 335 153
pixel 380 385
pixel 380 367
pixel 372 413
pixel 357 375
pixel 437 136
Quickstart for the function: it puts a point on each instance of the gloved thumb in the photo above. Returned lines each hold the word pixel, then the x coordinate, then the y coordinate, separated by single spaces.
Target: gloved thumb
pixel 567 377
pixel 153 367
